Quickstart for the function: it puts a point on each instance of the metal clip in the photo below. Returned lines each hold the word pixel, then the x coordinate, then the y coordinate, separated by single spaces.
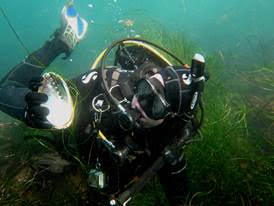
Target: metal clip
pixel 97 117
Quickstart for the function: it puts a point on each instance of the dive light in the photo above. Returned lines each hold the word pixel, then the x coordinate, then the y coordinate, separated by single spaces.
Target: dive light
pixel 197 72
pixel 197 69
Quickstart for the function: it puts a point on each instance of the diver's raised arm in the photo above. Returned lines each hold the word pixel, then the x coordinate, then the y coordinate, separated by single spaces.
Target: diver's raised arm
pixel 73 28
pixel 15 86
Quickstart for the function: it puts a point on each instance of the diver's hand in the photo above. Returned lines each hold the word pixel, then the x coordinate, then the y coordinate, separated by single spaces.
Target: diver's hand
pixel 73 26
pixel 35 113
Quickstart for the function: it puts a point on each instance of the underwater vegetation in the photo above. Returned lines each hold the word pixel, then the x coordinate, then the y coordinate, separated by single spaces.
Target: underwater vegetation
pixel 233 163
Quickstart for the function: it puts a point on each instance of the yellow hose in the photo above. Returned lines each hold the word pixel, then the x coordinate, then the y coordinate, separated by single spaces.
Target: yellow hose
pixel 150 48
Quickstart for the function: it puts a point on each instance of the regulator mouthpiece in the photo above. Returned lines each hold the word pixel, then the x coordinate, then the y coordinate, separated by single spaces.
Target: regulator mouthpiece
pixel 59 103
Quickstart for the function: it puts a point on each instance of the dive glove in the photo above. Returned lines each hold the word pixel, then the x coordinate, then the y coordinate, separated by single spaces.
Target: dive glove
pixel 73 27
pixel 35 113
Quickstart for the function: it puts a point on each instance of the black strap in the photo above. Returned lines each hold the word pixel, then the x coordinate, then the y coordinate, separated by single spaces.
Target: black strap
pixel 127 89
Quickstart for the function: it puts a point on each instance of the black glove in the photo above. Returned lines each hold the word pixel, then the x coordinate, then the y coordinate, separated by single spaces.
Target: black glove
pixel 35 114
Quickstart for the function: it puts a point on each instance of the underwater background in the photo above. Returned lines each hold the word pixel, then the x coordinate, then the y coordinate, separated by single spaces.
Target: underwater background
pixel 242 29
pixel 234 163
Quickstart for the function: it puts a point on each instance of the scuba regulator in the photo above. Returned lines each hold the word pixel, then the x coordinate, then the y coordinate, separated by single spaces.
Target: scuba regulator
pixel 127 119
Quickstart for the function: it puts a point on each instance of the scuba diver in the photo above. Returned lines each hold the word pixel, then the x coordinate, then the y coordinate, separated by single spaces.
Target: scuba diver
pixel 131 119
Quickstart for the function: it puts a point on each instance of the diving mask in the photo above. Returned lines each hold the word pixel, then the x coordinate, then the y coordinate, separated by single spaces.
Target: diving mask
pixel 150 96
pixel 59 103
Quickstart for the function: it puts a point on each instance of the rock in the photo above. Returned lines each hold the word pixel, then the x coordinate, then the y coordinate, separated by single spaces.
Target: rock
pixel 51 162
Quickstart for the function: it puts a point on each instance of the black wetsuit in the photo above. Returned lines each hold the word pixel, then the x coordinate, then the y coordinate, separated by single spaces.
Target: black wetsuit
pixel 14 87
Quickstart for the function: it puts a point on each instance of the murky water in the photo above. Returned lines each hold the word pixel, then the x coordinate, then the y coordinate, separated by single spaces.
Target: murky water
pixel 240 33
pixel 243 29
